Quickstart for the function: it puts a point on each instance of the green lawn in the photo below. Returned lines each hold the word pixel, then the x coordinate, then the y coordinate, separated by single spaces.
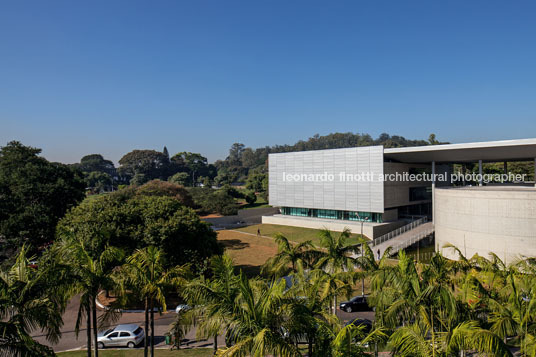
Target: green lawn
pixel 194 352
pixel 295 234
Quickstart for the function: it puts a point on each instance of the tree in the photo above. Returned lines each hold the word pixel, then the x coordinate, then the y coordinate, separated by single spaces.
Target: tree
pixel 194 162
pixel 257 182
pixel 250 197
pixel 257 327
pixel 34 195
pixel 137 221
pixel 181 178
pixel 235 154
pixel 166 152
pixel 146 272
pixel 95 162
pixel 149 163
pixel 288 256
pixel 29 299
pixel 432 139
pixel 214 299
pixel 162 189
pixel 92 267
pixel 99 181
pixel 337 257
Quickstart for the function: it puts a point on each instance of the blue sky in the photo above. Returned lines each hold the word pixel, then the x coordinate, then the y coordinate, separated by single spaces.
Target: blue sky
pixel 111 76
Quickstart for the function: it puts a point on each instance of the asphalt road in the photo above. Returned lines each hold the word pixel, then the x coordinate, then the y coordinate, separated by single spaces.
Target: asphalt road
pixel 69 341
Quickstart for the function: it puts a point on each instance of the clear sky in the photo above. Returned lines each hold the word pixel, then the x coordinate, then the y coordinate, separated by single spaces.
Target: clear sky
pixel 81 77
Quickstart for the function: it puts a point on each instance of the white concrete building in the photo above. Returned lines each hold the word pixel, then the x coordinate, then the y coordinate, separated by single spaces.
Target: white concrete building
pixel 372 190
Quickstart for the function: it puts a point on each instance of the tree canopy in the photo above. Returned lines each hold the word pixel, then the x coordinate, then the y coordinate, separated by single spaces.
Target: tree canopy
pixel 34 195
pixel 137 221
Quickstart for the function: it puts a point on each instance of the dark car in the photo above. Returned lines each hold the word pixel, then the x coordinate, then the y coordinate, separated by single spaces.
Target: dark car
pixel 367 324
pixel 357 303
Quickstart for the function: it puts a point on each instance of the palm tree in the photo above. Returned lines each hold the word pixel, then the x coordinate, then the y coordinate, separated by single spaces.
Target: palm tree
pixel 258 321
pixel 288 254
pixel 92 269
pixel 351 339
pixel 417 340
pixel 307 314
pixel 333 285
pixel 146 272
pixel 337 257
pixel 29 300
pixel 513 303
pixel 213 300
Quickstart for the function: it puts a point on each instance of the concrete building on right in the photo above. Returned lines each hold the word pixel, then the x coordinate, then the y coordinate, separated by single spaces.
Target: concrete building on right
pixel 485 217
pixel 479 212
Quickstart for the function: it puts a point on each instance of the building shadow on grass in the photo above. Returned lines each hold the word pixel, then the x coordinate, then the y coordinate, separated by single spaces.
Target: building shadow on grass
pixel 234 244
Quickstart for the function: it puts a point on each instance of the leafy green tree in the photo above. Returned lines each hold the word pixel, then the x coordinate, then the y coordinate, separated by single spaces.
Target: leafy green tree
pixel 194 162
pixel 29 299
pixel 99 181
pixel 135 222
pixel 95 162
pixel 149 163
pixel 139 179
pixel 181 178
pixel 251 198
pixel 34 195
pixel 257 182
pixel 161 189
pixel 235 154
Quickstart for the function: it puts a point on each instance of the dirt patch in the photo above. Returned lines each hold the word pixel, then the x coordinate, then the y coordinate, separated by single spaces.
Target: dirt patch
pixel 248 252
pixel 212 215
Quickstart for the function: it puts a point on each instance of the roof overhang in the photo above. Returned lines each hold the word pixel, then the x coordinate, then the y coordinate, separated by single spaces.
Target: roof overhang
pixel 490 151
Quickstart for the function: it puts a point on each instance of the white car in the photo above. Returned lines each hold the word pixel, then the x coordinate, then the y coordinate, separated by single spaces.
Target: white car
pixel 128 335
pixel 182 308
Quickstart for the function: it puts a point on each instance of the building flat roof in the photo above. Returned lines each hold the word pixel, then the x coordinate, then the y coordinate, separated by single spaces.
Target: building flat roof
pixel 488 151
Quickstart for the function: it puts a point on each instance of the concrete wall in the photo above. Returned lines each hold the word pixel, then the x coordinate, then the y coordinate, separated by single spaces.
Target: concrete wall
pixel 486 219
pixel 338 195
pixel 371 230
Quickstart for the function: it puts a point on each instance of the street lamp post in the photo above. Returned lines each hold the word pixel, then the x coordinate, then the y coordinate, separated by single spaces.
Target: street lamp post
pixel 362 258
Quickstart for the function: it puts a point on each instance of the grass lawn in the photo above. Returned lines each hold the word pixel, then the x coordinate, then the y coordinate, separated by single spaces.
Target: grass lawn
pixel 194 352
pixel 295 234
pixel 249 252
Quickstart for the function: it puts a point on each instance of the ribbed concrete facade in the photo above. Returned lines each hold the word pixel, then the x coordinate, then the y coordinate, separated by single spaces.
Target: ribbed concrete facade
pixel 486 219
pixel 336 195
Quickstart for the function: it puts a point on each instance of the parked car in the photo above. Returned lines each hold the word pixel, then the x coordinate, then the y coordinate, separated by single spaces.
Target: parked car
pixel 182 308
pixel 366 323
pixel 357 303
pixel 128 335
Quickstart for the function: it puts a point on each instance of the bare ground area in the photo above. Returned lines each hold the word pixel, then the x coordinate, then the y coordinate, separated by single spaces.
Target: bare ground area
pixel 248 251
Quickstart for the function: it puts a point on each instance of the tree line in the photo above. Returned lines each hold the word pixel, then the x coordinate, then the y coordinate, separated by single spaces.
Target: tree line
pixel 243 164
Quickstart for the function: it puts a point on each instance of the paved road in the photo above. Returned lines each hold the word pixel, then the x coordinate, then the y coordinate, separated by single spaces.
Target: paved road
pixel 69 340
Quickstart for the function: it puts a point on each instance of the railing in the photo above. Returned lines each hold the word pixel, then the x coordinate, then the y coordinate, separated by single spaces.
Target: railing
pixel 412 240
pixel 398 231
